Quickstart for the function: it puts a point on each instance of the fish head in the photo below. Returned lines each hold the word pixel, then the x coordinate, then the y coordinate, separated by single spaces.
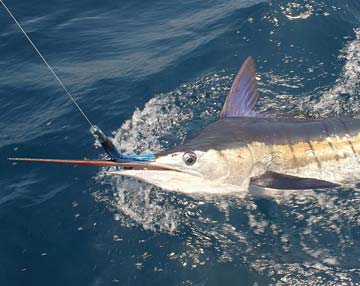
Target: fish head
pixel 200 165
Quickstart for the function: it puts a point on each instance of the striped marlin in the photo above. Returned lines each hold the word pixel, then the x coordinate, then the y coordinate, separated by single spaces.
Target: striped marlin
pixel 241 149
pixel 245 148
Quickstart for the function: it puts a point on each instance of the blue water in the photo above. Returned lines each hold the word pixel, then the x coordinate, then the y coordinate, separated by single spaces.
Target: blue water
pixel 151 73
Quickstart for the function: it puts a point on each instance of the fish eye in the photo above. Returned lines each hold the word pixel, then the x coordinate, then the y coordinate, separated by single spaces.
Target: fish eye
pixel 189 158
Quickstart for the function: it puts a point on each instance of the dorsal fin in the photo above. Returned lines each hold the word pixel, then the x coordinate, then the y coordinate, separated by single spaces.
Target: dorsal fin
pixel 243 93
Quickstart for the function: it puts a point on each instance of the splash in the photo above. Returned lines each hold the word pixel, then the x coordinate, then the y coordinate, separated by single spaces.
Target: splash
pixel 146 205
pixel 143 131
pixel 296 11
pixel 342 98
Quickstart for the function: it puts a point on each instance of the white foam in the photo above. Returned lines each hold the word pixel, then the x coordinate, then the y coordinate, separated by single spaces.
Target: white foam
pixel 297 11
pixel 333 100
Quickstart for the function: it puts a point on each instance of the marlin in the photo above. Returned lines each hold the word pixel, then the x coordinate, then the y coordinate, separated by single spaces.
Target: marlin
pixel 245 148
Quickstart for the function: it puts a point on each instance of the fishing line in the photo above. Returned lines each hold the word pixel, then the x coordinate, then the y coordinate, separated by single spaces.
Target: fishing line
pixel 106 143
pixel 46 63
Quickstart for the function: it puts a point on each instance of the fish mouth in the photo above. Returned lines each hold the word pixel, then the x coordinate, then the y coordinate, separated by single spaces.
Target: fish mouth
pixel 144 167
pixel 176 181
pixel 163 177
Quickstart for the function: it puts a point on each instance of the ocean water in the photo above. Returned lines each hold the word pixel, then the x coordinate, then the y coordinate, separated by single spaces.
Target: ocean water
pixel 151 73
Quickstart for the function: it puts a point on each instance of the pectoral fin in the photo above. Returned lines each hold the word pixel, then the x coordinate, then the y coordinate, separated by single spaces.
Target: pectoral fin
pixel 286 182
